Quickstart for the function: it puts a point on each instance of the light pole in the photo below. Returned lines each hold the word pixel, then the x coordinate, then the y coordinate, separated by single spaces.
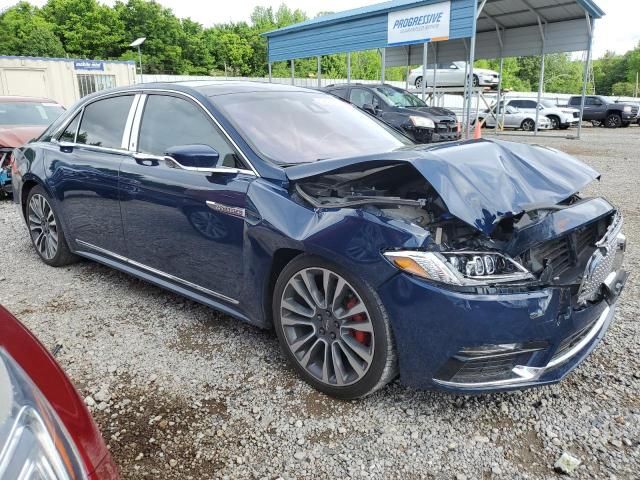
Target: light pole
pixel 136 43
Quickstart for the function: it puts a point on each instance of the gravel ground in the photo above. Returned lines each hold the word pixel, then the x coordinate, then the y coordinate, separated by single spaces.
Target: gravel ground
pixel 181 391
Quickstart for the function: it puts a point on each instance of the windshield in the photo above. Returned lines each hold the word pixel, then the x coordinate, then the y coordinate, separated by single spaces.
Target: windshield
pixel 302 127
pixel 548 103
pixel 399 98
pixel 29 113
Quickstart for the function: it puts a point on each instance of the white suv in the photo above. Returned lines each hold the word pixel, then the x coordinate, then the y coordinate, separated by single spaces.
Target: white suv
pixel 560 117
pixel 451 74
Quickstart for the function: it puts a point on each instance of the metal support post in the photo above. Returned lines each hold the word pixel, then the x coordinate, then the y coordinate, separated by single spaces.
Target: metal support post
pixel 585 77
pixel 293 73
pixel 383 58
pixel 348 67
pixel 541 80
pixel 319 73
pixel 423 85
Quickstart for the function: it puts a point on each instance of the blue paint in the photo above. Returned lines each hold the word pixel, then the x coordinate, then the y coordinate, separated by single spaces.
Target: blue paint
pixel 158 216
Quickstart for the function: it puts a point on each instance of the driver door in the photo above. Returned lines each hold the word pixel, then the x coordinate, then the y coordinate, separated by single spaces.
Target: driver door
pixel 184 225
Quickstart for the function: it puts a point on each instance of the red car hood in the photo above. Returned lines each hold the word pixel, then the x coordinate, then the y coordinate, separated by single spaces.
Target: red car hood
pixel 13 136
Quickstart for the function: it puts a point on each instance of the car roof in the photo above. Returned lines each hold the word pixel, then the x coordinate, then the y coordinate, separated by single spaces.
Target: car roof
pixel 25 99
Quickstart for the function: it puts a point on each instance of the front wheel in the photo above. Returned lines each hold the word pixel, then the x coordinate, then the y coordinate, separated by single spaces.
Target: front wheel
pixel 476 81
pixel 333 328
pixel 528 125
pixel 45 230
pixel 555 122
pixel 613 120
pixel 418 82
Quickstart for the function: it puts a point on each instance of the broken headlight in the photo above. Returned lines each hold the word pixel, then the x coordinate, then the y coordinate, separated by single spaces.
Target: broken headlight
pixel 460 268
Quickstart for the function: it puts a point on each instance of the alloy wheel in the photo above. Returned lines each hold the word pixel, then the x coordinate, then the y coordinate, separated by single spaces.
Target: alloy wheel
pixel 528 125
pixel 327 326
pixel 418 82
pixel 613 121
pixel 555 122
pixel 43 226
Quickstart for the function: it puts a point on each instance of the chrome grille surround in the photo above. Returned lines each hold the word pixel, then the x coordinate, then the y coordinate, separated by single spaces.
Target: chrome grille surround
pixel 609 252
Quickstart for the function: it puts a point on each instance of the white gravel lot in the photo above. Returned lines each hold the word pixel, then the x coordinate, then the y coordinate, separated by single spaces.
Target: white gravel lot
pixel 181 391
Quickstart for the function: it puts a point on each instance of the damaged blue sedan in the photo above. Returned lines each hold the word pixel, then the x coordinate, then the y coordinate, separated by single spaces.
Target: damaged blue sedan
pixel 469 267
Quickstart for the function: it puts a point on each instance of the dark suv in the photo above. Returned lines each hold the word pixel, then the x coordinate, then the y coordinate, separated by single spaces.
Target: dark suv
pixel 402 110
pixel 602 111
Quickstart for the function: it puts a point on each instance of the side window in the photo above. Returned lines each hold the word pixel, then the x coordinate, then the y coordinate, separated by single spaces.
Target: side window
pixel 171 121
pixel 360 97
pixel 339 92
pixel 103 122
pixel 528 104
pixel 514 103
pixel 69 134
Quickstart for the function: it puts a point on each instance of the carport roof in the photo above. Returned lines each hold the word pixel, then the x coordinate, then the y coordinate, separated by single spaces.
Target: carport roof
pixel 504 13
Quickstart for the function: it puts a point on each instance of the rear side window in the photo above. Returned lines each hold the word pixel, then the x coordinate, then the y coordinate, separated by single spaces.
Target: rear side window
pixel 171 121
pixel 528 104
pixel 69 134
pixel 103 122
pixel 339 92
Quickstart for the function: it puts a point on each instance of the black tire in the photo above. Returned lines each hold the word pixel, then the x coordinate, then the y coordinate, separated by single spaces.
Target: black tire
pixel 613 120
pixel 418 83
pixel 476 81
pixel 555 122
pixel 528 125
pixel 383 367
pixel 62 255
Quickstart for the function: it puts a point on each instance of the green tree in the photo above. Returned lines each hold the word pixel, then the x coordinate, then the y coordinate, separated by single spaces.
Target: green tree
pixel 23 31
pixel 86 28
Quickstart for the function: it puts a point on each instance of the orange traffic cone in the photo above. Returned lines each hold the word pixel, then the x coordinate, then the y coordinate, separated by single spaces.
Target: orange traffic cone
pixel 477 132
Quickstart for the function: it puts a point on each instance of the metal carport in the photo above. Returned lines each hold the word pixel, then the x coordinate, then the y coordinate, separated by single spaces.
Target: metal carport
pixel 474 29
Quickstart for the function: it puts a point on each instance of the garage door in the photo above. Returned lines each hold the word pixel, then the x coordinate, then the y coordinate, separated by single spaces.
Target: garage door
pixel 31 83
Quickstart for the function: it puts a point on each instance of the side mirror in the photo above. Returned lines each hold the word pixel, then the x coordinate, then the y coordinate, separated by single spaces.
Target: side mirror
pixel 194 156
pixel 369 108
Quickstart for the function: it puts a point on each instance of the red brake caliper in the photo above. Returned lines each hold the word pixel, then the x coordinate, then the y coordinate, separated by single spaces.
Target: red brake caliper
pixel 361 337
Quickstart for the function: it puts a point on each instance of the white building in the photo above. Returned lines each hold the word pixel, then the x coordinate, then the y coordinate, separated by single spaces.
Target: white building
pixel 64 80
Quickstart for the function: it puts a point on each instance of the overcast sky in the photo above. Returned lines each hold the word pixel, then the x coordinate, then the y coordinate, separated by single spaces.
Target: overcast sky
pixel 619 30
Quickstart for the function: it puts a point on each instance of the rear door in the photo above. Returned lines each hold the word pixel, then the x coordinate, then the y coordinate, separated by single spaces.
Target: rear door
pixel 186 226
pixel 83 171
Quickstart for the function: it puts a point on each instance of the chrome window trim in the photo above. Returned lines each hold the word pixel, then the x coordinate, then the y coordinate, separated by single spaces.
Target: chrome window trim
pixel 126 134
pixel 135 133
pixel 158 272
pixel 135 125
pixel 173 163
pixel 140 108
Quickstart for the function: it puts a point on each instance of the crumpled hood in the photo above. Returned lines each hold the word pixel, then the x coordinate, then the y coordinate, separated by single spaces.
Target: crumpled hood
pixel 480 181
pixel 16 136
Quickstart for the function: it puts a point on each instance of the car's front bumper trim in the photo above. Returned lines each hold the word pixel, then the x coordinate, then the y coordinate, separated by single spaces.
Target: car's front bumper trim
pixel 526 374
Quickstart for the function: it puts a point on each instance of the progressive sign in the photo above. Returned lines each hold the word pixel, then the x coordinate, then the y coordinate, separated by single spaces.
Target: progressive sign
pixel 429 23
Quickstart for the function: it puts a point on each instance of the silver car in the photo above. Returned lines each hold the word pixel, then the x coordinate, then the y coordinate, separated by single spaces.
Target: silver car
pixel 515 118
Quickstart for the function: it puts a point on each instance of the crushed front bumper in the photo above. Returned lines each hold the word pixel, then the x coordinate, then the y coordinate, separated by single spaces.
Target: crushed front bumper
pixel 548 334
pixel 502 338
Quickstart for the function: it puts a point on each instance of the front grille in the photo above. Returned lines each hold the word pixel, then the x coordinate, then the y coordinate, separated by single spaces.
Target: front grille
pixel 489 370
pixel 446 126
pixel 564 253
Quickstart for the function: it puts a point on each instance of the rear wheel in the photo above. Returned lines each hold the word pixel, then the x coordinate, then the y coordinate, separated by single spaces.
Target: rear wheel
pixel 45 230
pixel 418 82
pixel 528 125
pixel 333 328
pixel 613 120
pixel 476 81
